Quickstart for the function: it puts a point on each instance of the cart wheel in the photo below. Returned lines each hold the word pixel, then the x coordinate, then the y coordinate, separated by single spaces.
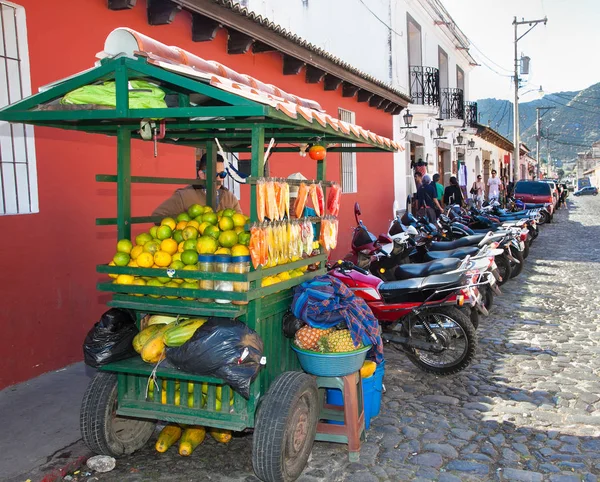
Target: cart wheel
pixel 285 428
pixel 102 430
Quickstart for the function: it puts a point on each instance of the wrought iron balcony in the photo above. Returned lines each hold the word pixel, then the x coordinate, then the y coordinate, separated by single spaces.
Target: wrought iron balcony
pixel 424 85
pixel 470 114
pixel 452 104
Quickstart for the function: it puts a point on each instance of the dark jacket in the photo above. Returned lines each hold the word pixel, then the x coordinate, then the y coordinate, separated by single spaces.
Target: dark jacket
pixel 453 195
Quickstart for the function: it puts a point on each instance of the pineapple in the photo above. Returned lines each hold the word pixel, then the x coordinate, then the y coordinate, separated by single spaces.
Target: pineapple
pixel 337 342
pixel 307 337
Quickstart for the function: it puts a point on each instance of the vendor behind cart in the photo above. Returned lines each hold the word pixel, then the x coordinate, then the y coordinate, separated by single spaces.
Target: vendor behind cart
pixel 183 198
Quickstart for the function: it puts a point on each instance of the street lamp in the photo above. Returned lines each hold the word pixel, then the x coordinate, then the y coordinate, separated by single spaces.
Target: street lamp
pixel 471 144
pixel 459 139
pixel 517 142
pixel 439 132
pixel 408 118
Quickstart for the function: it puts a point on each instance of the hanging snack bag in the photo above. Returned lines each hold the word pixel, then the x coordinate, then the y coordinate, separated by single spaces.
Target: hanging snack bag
pixel 333 199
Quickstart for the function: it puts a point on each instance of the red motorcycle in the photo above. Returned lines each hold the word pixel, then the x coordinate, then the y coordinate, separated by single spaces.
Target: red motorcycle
pixel 420 316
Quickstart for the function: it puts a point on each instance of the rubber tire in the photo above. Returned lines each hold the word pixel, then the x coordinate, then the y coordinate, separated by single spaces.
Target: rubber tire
pixel 474 317
pixel 488 298
pixel 96 419
pixel 463 320
pixel 503 262
pixel 517 267
pixel 544 218
pixel 273 431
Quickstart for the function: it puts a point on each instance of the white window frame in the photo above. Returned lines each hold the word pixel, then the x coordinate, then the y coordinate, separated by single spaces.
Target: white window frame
pixel 348 175
pixel 18 170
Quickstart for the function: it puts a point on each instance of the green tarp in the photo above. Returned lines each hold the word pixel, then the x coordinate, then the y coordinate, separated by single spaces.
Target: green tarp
pixel 142 95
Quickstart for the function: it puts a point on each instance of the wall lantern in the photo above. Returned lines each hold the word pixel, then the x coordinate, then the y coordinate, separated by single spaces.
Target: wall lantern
pixel 408 118
pixel 459 139
pixel 471 144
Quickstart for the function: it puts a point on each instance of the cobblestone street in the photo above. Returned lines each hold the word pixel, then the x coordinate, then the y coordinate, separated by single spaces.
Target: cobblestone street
pixel 527 410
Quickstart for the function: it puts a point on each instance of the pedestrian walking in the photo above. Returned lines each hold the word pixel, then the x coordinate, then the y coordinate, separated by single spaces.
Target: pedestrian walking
pixel 477 191
pixel 453 193
pixel 439 192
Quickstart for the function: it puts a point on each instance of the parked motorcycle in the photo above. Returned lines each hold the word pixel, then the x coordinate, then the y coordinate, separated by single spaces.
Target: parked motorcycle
pixel 420 316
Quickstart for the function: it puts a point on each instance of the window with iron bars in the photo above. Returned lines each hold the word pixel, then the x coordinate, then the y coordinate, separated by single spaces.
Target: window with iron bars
pixel 348 159
pixel 18 173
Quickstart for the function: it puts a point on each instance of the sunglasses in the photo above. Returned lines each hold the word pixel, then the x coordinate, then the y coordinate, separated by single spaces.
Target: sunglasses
pixel 221 175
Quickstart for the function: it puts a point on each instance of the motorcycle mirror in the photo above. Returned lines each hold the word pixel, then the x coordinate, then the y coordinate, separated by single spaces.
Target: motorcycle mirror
pixel 412 231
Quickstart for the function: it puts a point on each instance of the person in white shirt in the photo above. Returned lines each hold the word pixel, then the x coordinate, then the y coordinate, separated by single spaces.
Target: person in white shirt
pixel 494 187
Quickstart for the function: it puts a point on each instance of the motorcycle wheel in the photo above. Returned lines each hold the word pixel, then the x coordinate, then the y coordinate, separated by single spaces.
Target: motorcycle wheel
pixel 457 334
pixel 474 317
pixel 544 218
pixel 504 268
pixel 488 297
pixel 517 267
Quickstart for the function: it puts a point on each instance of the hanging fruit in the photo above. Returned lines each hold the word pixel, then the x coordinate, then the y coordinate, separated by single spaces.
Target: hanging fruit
pixel 317 152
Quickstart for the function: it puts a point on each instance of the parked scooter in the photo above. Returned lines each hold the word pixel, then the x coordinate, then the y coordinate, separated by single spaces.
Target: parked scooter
pixel 420 316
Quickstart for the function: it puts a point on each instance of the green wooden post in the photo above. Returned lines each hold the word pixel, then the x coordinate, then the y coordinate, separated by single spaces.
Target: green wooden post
pixel 123 182
pixel 257 166
pixel 122 91
pixel 211 170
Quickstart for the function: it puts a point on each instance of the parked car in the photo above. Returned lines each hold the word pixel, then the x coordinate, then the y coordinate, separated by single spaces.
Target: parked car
pixel 585 191
pixel 536 192
pixel 554 187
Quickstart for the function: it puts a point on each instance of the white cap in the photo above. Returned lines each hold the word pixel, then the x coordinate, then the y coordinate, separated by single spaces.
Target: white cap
pixel 294 189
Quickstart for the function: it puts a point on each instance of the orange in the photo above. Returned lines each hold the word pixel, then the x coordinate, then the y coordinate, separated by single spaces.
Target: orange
pixel 181 225
pixel 145 260
pixel 152 246
pixel 191 267
pixel 138 282
pixel 189 232
pixel 171 284
pixel 206 245
pixel 132 264
pixel 189 257
pixel 177 264
pixel 226 224
pixel 208 209
pixel 244 238
pixel 124 246
pixel 162 259
pixel 229 212
pixel 164 232
pixel 169 246
pixel 143 238
pixel 154 282
pixel 114 276
pixel 228 239
pixel 223 251
pixel 202 227
pixel 153 230
pixel 238 229
pixel 195 210
pixel 194 224
pixel 169 222
pixel 239 220
pixel 136 251
pixel 121 259
pixel 183 217
pixel 240 250
pixel 176 256
pixel 180 247
pixel 189 244
pixel 212 231
pixel 189 285
pixel 124 279
pixel 177 235
pixel 210 218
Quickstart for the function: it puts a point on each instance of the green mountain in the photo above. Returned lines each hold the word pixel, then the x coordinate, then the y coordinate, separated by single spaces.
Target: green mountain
pixel 571 127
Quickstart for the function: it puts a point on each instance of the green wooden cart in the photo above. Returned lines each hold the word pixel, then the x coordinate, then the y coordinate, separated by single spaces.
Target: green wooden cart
pixel 117 416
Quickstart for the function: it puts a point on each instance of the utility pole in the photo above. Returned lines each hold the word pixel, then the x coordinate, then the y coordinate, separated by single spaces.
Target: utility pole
pixel 517 141
pixel 537 137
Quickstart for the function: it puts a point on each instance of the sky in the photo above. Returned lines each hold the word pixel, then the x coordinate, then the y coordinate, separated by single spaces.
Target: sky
pixel 564 53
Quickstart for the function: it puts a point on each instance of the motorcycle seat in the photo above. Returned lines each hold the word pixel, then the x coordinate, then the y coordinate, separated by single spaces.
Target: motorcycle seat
pixel 417 289
pixel 457 243
pixel 455 253
pixel 418 270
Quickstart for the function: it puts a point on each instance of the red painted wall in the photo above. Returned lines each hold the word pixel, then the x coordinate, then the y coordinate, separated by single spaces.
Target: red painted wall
pixel 49 300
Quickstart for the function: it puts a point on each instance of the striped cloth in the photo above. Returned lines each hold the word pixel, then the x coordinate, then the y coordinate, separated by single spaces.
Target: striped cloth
pixel 325 302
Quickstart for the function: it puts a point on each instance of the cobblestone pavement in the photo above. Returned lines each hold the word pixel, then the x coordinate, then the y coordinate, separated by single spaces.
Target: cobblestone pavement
pixel 527 410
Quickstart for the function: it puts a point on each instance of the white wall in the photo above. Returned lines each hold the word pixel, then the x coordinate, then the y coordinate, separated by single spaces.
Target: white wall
pixel 346 29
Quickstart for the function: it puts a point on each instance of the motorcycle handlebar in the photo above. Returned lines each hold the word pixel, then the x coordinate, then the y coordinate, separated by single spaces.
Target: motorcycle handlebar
pixel 348 265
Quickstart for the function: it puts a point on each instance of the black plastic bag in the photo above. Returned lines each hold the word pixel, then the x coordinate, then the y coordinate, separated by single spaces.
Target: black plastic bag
pixel 223 348
pixel 291 325
pixel 110 339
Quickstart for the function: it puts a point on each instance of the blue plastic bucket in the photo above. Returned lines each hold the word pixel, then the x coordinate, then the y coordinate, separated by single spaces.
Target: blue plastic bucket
pixel 372 388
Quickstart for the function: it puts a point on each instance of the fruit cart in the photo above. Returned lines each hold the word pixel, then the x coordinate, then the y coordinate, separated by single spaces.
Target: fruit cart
pixel 118 416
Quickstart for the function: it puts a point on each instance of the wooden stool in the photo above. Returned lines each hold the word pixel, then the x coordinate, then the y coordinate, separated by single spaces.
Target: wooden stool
pixel 352 430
